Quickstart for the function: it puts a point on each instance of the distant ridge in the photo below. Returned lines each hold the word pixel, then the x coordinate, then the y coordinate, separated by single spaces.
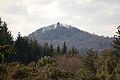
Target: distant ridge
pixel 58 33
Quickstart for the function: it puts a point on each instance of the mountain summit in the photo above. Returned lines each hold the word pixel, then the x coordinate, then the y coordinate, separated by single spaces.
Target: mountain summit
pixel 54 26
pixel 59 33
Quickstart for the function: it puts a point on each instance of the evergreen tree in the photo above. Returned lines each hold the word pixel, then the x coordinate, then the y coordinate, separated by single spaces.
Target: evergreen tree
pixel 116 43
pixel 35 49
pixel 6 53
pixel 58 49
pixel 5 35
pixel 6 42
pixel 23 49
pixel 89 65
pixel 51 50
pixel 115 56
pixel 64 48
pixel 73 50
pixel 46 50
pixel 106 64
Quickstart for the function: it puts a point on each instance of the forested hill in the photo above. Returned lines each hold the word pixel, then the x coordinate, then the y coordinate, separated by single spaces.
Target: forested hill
pixel 59 33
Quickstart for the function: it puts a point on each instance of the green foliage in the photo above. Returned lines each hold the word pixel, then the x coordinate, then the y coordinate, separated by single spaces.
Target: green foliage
pixel 89 67
pixel 45 61
pixel 23 49
pixel 5 35
pixel 46 50
pixel 35 50
pixel 27 50
pixel 61 75
pixel 116 44
pixel 6 43
pixel 6 52
pixel 21 73
pixel 3 71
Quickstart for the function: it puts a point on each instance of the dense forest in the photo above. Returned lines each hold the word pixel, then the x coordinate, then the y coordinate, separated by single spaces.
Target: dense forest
pixel 25 59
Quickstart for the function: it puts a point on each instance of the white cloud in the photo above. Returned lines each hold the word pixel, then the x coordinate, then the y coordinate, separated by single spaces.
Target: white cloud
pixel 96 16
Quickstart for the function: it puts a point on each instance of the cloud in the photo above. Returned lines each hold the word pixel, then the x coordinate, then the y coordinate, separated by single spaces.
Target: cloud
pixel 96 16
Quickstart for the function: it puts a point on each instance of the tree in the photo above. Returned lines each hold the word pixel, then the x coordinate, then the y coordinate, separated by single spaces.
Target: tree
pixel 116 55
pixel 73 50
pixel 106 65
pixel 5 52
pixel 58 49
pixel 46 50
pixel 51 50
pixel 5 34
pixel 23 49
pixel 35 50
pixel 6 42
pixel 116 43
pixel 64 48
pixel 89 65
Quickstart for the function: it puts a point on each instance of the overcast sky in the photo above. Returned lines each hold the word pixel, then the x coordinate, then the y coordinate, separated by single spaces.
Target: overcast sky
pixel 101 17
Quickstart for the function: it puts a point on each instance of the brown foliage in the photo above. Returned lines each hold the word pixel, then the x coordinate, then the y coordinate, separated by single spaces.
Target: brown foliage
pixel 70 63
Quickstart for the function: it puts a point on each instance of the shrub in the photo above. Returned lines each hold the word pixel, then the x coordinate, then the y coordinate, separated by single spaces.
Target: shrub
pixel 45 61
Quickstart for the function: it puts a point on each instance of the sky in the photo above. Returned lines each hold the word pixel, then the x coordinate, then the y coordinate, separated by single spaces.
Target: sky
pixel 100 17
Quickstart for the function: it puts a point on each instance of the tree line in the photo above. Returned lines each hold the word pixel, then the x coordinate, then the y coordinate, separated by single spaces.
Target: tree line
pixel 26 50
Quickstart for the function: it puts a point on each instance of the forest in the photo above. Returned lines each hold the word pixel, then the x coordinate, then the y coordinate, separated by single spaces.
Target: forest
pixel 25 59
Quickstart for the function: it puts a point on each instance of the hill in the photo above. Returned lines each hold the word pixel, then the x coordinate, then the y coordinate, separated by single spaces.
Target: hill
pixel 59 33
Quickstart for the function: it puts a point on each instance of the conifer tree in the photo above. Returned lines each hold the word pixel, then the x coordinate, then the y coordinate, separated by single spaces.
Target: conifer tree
pixel 23 49
pixel 51 50
pixel 106 64
pixel 46 50
pixel 116 43
pixel 64 48
pixel 35 50
pixel 6 42
pixel 58 49
pixel 5 34
pixel 89 66
pixel 73 50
